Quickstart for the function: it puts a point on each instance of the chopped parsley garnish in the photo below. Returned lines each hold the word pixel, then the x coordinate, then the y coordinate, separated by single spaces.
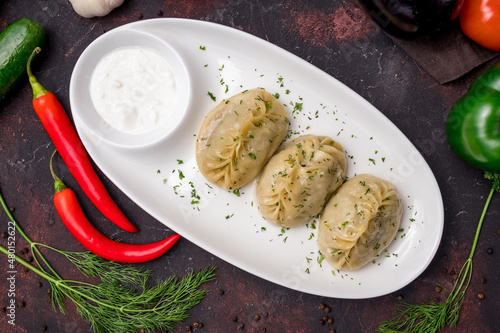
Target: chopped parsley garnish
pixel 320 258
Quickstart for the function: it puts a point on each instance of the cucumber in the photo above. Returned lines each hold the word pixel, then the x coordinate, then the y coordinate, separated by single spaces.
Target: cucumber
pixel 17 42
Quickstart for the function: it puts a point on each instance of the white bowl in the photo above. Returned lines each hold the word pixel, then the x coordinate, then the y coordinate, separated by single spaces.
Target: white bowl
pixel 95 127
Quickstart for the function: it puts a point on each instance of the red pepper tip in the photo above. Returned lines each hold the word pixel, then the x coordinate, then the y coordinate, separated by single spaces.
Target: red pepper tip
pixel 129 227
pixel 175 237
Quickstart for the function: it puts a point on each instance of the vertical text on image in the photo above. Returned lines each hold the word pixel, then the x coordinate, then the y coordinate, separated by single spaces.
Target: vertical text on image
pixel 11 273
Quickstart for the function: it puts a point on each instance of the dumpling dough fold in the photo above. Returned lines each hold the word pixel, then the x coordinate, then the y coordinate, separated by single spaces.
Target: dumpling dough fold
pixel 239 136
pixel 298 181
pixel 359 222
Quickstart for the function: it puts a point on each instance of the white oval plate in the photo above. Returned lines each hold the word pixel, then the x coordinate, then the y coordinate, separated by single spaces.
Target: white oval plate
pixel 164 180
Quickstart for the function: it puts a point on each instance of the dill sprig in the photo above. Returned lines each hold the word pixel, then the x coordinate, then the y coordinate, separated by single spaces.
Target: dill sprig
pixel 92 265
pixel 123 301
pixel 432 317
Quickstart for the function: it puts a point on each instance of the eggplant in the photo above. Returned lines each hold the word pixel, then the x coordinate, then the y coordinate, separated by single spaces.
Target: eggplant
pixel 410 19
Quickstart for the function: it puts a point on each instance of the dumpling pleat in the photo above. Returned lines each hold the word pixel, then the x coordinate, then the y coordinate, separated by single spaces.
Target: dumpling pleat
pixel 239 136
pixel 359 222
pixel 305 174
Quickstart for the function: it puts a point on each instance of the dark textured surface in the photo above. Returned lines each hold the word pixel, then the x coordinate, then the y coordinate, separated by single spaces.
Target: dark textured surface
pixel 334 36
pixel 447 54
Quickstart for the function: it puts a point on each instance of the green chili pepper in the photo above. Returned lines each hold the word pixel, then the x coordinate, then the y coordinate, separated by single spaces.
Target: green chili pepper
pixel 473 125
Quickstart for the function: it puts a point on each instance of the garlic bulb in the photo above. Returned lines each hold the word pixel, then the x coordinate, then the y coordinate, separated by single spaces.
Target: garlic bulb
pixel 91 8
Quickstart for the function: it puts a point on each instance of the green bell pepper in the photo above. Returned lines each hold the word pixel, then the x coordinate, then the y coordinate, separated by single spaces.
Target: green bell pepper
pixel 473 124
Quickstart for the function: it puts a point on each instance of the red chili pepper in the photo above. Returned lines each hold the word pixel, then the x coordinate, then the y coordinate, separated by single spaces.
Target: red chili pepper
pixel 77 223
pixel 58 125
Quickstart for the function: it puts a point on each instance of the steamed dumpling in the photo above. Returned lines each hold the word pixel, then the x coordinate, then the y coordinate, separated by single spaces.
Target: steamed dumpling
pixel 359 222
pixel 239 136
pixel 298 181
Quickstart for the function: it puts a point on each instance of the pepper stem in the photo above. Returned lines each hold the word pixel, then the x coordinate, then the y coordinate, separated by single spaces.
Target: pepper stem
pixel 58 184
pixel 38 89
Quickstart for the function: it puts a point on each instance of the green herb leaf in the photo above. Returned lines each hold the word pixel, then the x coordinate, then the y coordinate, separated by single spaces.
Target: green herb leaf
pixel 495 178
pixel 432 317
pixel 123 301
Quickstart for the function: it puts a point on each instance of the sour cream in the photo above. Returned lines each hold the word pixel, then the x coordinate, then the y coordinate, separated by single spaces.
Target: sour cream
pixel 133 89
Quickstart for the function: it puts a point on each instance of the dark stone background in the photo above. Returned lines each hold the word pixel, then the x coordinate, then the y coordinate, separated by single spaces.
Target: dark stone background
pixel 333 35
